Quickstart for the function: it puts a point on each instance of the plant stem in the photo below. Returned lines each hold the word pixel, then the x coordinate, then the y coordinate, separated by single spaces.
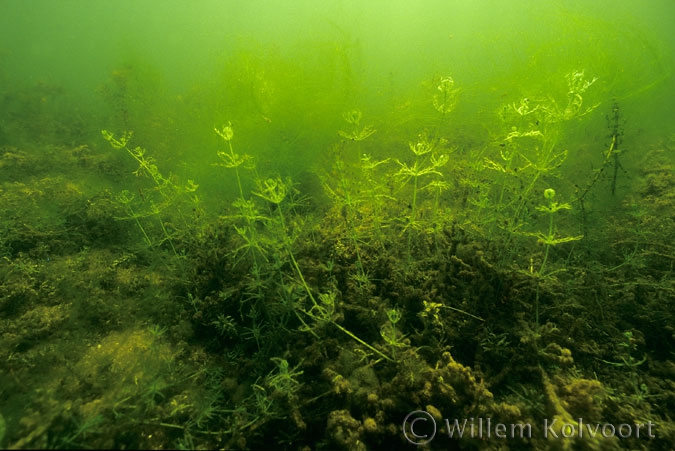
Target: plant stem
pixel 363 342
pixel 413 212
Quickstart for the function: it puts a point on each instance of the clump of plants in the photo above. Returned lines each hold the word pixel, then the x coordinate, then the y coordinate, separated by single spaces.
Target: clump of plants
pixel 162 206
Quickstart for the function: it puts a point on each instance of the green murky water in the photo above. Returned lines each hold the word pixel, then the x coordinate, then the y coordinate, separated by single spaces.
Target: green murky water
pixel 288 225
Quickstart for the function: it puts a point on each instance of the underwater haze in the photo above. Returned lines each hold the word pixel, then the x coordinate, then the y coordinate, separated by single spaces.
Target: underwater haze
pixel 304 63
pixel 276 224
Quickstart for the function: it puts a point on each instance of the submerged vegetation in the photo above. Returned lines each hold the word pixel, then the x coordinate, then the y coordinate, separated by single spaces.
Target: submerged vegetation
pixel 264 271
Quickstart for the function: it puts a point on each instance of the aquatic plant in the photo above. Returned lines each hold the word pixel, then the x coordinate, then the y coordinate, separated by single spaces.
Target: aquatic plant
pixel 126 198
pixel 610 157
pixel 324 313
pixel 573 108
pixel 349 194
pixel 229 158
pixel 391 334
pixel 244 223
pixel 426 163
pixel 549 238
pixel 275 190
pixel 436 188
pixel 529 154
pixel 444 101
pixel 357 133
pixel 284 379
pixel 158 201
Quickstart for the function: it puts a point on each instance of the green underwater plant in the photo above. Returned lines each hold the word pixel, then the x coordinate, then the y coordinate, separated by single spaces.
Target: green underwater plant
pixel 126 198
pixel 357 133
pixel 275 191
pixel 577 85
pixel 157 201
pixel 610 157
pixel 436 188
pixel 284 379
pixel 351 194
pixel 444 101
pixel 391 334
pixel 548 239
pixel 229 158
pixel 529 155
pixel 426 164
pixel 245 221
pixel 324 313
